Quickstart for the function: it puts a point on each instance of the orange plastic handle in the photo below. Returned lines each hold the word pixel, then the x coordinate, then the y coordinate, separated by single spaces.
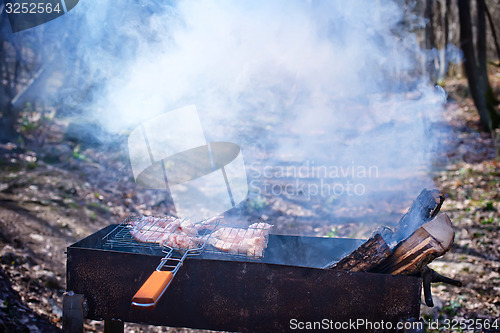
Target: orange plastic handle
pixel 152 289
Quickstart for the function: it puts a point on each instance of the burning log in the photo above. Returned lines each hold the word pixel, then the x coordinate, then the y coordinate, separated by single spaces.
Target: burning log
pixel 417 240
pixel 428 242
pixel 367 256
pixel 422 210
pixel 419 237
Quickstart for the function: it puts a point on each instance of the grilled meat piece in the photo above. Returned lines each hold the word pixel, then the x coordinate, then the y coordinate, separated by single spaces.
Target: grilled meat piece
pixel 147 236
pixel 181 241
pixel 170 231
pixel 184 235
pixel 250 242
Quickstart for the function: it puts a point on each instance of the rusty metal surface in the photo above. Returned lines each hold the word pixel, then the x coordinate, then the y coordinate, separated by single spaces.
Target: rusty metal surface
pixel 237 295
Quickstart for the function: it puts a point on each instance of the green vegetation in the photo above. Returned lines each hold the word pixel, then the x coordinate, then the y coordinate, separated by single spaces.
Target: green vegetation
pixel 332 234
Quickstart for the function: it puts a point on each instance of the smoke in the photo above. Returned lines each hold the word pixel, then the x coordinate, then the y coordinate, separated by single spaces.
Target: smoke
pixel 322 85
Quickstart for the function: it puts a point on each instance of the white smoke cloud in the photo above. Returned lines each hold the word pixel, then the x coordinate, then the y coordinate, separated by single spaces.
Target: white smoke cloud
pixel 336 82
pixel 229 56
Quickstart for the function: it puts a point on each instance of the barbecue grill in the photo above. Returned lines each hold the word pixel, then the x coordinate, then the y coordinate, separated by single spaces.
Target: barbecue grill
pixel 179 239
pixel 233 293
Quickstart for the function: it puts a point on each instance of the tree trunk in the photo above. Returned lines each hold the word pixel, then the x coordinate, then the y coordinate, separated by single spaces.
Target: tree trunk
pixel 430 43
pixel 8 115
pixel 493 32
pixel 7 123
pixel 475 63
pixel 443 62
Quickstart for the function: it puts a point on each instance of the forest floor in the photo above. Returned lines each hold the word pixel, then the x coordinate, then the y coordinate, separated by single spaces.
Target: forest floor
pixel 55 191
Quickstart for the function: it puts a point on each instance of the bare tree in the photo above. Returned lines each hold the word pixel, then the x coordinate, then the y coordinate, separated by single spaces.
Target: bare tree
pixel 430 39
pixel 20 59
pixel 445 26
pixel 474 50
pixel 493 32
pixel 9 68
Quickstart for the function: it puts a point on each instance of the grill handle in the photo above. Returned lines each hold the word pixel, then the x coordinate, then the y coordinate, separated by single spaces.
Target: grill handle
pixel 151 291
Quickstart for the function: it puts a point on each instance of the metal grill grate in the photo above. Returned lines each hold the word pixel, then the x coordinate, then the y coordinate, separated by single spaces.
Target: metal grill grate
pixel 121 237
pixel 169 234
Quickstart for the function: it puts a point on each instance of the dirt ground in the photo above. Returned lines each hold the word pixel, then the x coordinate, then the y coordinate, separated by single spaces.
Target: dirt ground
pixel 54 192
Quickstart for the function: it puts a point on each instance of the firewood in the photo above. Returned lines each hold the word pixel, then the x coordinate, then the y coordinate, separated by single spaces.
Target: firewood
pixel 422 210
pixel 368 255
pixel 428 242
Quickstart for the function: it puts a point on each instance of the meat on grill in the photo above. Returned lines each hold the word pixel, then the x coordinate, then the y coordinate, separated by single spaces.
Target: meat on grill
pixel 151 229
pixel 250 242
pixel 147 236
pixel 150 223
pixel 181 241
pixel 184 234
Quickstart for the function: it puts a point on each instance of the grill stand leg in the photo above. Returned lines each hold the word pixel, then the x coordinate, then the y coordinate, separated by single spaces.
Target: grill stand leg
pixel 113 326
pixel 73 312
